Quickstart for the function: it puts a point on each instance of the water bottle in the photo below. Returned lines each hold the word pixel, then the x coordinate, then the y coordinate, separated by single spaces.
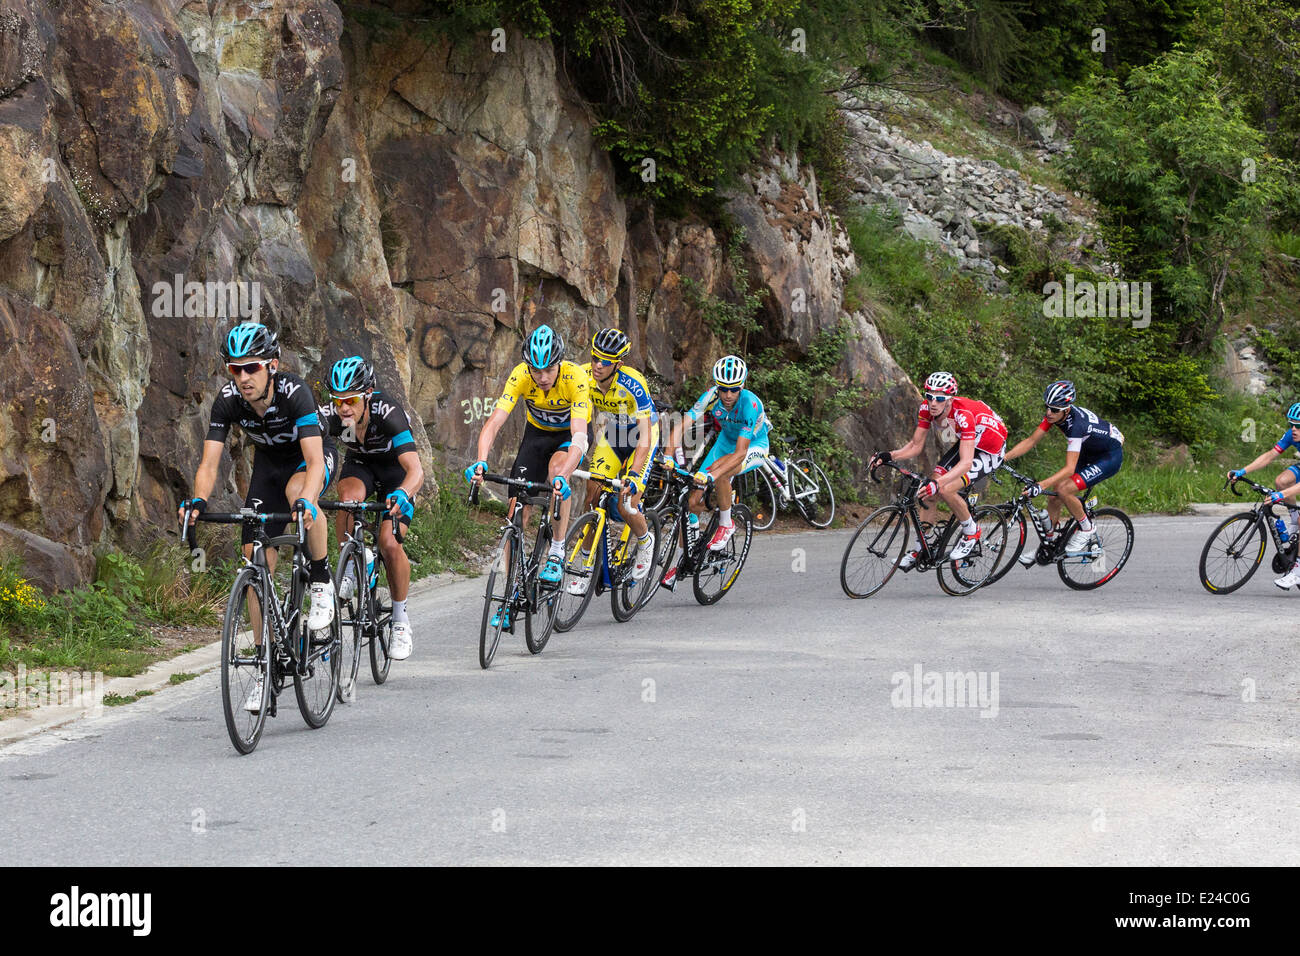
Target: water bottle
pixel 370 567
pixel 692 530
pixel 1281 530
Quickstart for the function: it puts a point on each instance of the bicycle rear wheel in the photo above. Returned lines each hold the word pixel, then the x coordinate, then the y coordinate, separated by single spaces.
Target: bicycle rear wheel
pixel 1112 543
pixel 965 575
pixel 1233 553
pixel 1017 535
pixel 539 616
pixel 353 622
pixel 316 678
pixel 243 662
pixel 755 491
pixel 874 551
pixel 630 595
pixel 581 569
pixel 717 570
pixel 817 509
pixel 496 599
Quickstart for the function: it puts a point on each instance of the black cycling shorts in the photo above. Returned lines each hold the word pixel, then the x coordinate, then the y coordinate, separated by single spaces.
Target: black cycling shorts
pixel 533 462
pixel 266 487
pixel 381 478
pixel 982 465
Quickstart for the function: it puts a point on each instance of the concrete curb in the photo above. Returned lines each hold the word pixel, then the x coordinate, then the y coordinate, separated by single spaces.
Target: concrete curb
pixel 27 723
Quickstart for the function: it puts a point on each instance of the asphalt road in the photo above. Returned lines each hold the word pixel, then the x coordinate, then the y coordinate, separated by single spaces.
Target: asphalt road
pixel 1146 723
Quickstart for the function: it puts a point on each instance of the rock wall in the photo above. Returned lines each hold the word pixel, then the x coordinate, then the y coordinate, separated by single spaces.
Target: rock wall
pixel 387 194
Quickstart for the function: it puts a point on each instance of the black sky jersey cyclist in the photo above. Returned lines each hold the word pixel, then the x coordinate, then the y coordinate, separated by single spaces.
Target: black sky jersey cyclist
pixel 1287 483
pixel 292 461
pixel 381 460
pixel 557 408
pixel 1094 451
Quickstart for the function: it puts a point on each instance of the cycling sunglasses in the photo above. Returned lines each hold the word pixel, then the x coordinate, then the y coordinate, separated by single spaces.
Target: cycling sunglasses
pixel 597 360
pixel 1054 410
pixel 728 388
pixel 248 368
pixel 347 400
pixel 936 398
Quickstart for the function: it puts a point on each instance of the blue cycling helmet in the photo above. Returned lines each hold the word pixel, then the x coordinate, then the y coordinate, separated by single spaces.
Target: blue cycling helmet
pixel 351 374
pixel 1059 394
pixel 730 371
pixel 543 348
pixel 251 340
pixel 1293 414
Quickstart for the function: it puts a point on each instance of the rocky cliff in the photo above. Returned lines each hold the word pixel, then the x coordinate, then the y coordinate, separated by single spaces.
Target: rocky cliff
pixel 381 193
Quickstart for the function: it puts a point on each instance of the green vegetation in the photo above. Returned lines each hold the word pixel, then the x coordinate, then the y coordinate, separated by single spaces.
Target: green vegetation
pixel 181 677
pixel 445 530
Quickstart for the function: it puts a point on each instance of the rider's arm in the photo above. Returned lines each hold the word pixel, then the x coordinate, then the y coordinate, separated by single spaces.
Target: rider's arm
pixel 205 479
pixel 414 479
pixel 913 447
pixel 1024 446
pixel 642 445
pixel 489 433
pixel 313 453
pixel 577 446
pixel 1262 460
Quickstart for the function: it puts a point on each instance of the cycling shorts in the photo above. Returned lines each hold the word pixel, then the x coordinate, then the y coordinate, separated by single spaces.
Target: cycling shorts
pixel 380 478
pixel 266 488
pixel 982 465
pixel 758 450
pixel 1093 470
pixel 536 448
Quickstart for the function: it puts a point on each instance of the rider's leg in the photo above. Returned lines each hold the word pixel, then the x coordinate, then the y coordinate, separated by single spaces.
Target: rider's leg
pixel 1284 481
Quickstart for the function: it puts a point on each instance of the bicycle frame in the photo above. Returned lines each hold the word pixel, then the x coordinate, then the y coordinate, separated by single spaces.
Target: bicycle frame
pixel 603 531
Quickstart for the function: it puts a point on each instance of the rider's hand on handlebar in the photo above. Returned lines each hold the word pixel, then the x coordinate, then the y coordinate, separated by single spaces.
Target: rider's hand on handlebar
pixel 1238 473
pixel 561 485
pixel 928 490
pixel 1275 498
pixel 1033 490
pixel 474 473
pixel 194 507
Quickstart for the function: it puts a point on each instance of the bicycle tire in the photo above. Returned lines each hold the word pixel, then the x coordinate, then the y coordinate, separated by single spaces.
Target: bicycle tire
pixel 879 544
pixel 539 616
pixel 670 528
pixel 656 489
pixel 1017 532
pixel 380 627
pixel 317 690
pixel 723 567
pixel 245 728
pixel 500 572
pixel 630 595
pixel 350 648
pixel 821 511
pixel 970 573
pixel 754 490
pixel 1241 539
pixel 1104 520
pixel 568 613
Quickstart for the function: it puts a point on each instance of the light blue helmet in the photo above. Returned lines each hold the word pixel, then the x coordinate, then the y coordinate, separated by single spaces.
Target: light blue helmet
pixel 1293 414
pixel 730 370
pixel 543 348
pixel 251 340
pixel 351 374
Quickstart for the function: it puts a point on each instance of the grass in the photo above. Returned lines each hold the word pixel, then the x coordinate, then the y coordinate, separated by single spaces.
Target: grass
pixel 117 700
pixel 181 678
pixel 446 533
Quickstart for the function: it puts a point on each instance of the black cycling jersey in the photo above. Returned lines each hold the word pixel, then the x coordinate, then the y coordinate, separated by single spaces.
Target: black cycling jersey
pixel 292 415
pixel 1086 433
pixel 388 433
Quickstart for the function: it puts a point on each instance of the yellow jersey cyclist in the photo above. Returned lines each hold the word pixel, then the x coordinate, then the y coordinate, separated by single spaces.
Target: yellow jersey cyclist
pixel 381 460
pixel 557 411
pixel 627 427
pixel 293 459
pixel 1287 483
pixel 741 446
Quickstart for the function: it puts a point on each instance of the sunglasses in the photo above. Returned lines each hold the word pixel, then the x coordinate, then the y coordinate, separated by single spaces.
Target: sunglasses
pixel 597 360
pixel 247 368
pixel 728 388
pixel 936 398
pixel 347 401
pixel 1055 410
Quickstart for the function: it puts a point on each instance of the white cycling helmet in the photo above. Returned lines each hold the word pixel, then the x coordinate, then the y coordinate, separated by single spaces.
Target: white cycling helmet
pixel 730 370
pixel 944 383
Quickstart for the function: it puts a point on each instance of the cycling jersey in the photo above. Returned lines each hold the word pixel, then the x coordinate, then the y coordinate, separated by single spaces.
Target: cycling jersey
pixel 745 419
pixel 388 433
pixel 1285 442
pixel 1086 433
pixel 292 415
pixel 627 402
pixel 549 410
pixel 972 419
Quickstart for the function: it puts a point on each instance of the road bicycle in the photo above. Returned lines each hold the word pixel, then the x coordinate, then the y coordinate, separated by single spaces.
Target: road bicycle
pixel 712 573
pixel 780 483
pixel 878 545
pixel 1235 549
pixel 368 612
pixel 658 486
pixel 272 646
pixel 1108 548
pixel 513 587
pixel 607 565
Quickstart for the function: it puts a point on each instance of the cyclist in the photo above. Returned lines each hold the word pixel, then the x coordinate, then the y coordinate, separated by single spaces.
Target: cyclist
pixel 1285 482
pixel 1094 451
pixel 981 440
pixel 557 411
pixel 381 460
pixel 628 430
pixel 741 446
pixel 293 460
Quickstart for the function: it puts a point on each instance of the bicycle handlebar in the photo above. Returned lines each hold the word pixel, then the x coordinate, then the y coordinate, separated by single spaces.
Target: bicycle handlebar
pixel 531 488
pixel 361 507
pixel 243 516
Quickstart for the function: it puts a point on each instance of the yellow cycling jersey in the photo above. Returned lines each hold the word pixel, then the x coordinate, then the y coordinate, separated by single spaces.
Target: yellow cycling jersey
pixel 550 410
pixel 628 395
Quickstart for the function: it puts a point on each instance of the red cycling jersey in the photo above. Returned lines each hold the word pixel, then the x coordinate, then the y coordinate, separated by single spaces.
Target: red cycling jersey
pixel 973 419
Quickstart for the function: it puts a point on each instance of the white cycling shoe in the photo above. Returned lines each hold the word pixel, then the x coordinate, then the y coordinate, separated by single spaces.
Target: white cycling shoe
pixel 645 559
pixel 1080 543
pixel 965 546
pixel 347 587
pixel 321 614
pixel 253 703
pixel 399 649
pixel 577 586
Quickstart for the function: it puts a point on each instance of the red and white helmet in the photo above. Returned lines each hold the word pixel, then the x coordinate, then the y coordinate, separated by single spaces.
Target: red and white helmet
pixel 943 383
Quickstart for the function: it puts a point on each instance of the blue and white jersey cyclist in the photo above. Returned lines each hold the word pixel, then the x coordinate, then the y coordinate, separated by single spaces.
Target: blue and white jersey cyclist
pixel 293 459
pixel 1094 451
pixel 741 446
pixel 1287 483
pixel 381 460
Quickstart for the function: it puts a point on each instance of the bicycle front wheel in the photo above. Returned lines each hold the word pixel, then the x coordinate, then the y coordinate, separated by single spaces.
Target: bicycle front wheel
pixel 582 570
pixel 1233 553
pixel 874 551
pixel 496 599
pixel 1017 535
pixel 539 616
pixel 630 595
pixel 353 623
pixel 1112 542
pixel 966 574
pixel 244 663
pixel 817 507
pixel 717 570
pixel 754 490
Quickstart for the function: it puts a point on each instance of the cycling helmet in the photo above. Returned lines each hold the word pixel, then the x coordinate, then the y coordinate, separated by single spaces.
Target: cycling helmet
pixel 1293 414
pixel 944 383
pixel 352 374
pixel 730 370
pixel 543 348
pixel 1059 394
pixel 610 344
pixel 251 340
